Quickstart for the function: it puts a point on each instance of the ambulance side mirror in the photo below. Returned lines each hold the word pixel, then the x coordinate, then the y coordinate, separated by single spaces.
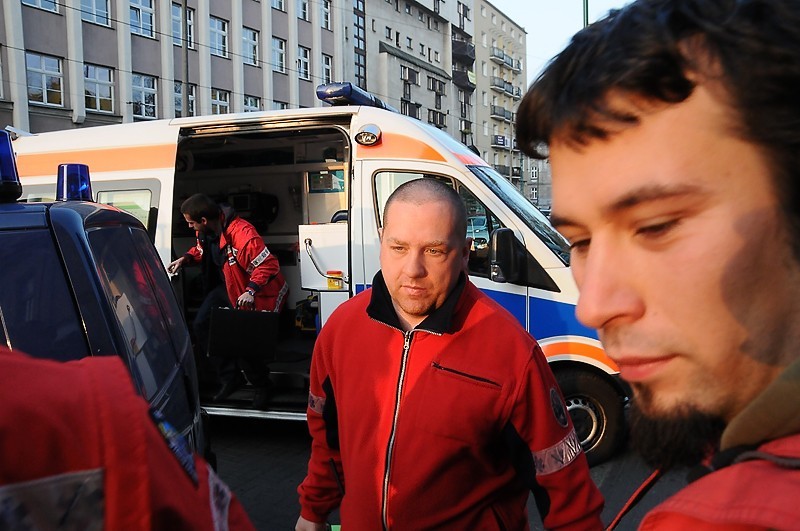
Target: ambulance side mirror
pixel 504 258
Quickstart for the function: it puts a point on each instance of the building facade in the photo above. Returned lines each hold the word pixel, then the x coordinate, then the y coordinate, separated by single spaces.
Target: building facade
pixel 74 63
pixel 501 83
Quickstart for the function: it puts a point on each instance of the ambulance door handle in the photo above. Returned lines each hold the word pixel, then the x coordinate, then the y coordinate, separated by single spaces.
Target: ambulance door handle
pixel 308 243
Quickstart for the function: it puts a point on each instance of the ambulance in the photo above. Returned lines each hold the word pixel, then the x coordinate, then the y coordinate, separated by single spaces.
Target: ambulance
pixel 314 183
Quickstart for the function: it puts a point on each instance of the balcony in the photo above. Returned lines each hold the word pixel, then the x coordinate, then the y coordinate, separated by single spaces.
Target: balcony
pixel 516 171
pixel 463 51
pixel 517 93
pixel 517 66
pixel 497 83
pixel 464 79
pixel 497 55
pixel 497 112
pixel 508 88
pixel 502 169
pixel 514 145
pixel 466 110
pixel 508 61
pixel 500 141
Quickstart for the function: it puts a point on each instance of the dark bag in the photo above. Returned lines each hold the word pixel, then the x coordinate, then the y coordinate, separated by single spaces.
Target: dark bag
pixel 243 334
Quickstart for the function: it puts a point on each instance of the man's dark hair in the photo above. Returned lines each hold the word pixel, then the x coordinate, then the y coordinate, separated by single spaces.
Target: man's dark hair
pixel 200 206
pixel 421 191
pixel 653 50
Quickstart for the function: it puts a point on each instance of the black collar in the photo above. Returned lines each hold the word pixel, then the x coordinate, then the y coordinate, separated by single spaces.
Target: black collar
pixel 439 321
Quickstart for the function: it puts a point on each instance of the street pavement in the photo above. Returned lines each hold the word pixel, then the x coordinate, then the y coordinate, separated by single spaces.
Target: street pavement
pixel 263 461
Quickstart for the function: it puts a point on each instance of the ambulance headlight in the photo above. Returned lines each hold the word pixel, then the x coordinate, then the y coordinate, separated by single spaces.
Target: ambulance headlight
pixel 10 187
pixel 368 135
pixel 73 183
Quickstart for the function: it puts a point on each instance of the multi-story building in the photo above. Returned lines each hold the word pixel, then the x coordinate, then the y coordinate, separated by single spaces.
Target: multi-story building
pixel 501 82
pixel 71 63
pixel 414 55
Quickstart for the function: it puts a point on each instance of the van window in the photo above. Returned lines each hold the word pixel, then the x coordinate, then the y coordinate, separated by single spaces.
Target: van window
pixel 37 310
pixel 135 202
pixel 481 222
pixel 128 284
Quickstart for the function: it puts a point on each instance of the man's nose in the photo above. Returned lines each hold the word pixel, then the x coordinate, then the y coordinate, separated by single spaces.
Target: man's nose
pixel 607 283
pixel 414 264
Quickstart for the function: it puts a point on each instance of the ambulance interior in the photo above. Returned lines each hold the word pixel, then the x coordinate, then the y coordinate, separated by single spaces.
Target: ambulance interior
pixel 286 183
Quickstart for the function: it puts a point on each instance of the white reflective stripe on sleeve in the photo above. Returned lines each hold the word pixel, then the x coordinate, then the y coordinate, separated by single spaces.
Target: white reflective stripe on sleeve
pixel 281 295
pixel 557 456
pixel 258 260
pixel 219 496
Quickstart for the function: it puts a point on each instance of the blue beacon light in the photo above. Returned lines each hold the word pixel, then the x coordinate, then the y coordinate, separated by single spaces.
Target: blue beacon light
pixel 10 187
pixel 73 183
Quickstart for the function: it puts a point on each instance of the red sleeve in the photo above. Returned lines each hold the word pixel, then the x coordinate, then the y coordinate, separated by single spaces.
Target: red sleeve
pixel 321 490
pixel 195 253
pixel 540 417
pixel 260 264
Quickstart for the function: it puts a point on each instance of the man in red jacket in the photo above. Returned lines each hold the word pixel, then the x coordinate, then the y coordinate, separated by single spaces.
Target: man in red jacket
pixel 79 449
pixel 430 406
pixel 252 274
pixel 674 141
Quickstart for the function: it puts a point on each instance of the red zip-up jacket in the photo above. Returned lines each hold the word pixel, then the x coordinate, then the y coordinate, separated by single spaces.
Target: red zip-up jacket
pixel 79 450
pixel 448 426
pixel 248 263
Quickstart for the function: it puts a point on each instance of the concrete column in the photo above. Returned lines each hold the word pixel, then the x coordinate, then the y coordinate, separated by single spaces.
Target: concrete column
pixel 267 94
pixel 237 61
pixel 124 61
pixel 15 50
pixel 167 88
pixel 77 83
pixel 202 36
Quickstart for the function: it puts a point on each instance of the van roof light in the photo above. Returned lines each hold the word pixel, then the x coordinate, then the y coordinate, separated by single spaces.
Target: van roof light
pixel 73 183
pixel 345 93
pixel 10 187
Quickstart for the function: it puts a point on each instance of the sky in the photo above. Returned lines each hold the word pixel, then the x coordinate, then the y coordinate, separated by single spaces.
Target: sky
pixel 550 24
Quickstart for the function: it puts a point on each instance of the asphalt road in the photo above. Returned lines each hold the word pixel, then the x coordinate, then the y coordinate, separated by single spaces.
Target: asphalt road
pixel 263 461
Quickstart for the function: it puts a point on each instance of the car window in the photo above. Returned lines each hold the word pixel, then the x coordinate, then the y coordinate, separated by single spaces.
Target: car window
pixel 129 287
pixel 37 309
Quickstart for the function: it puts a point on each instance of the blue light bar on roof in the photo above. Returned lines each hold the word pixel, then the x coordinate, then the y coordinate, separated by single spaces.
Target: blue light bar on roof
pixel 345 93
pixel 73 183
pixel 10 187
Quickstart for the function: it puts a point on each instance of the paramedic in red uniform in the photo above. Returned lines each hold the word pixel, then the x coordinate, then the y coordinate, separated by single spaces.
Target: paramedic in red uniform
pixel 252 274
pixel 674 141
pixel 430 406
pixel 79 449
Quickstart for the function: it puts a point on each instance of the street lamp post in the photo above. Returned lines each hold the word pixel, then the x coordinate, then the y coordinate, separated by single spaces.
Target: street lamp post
pixel 585 13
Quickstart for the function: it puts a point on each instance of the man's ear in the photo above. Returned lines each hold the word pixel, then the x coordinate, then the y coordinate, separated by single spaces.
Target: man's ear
pixel 380 234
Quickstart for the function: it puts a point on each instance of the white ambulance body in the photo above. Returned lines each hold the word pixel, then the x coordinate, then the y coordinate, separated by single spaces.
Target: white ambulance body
pixel 314 182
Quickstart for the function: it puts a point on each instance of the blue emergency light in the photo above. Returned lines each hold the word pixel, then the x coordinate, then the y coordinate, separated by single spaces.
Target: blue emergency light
pixel 345 93
pixel 73 183
pixel 10 187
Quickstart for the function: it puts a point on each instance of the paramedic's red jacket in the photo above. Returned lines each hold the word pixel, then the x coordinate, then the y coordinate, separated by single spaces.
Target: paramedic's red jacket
pixel 449 426
pixel 247 263
pixel 78 431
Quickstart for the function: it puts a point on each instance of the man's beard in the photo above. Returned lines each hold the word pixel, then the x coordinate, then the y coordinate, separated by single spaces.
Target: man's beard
pixel 683 437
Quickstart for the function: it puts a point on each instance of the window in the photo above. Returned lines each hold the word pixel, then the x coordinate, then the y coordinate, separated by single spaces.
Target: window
pixel 99 88
pixel 144 96
pixel 327 68
pixel 45 81
pixel 421 49
pixel 436 56
pixel 142 18
pixel 219 36
pixel 437 118
pixel 178 91
pixel 409 109
pixel 49 5
pixel 494 18
pixel 95 11
pixel 279 105
pixel 388 32
pixel 409 43
pixel 485 98
pixel 361 70
pixel 176 25
pixel 326 14
pixel 485 133
pixel 303 60
pixel 483 11
pixel 302 9
pixel 279 55
pixel 219 101
pixel 421 16
pixel 484 69
pixel 250 46
pixel 409 74
pixel 252 103
pixel 408 8
pixel 484 39
pixel 278 4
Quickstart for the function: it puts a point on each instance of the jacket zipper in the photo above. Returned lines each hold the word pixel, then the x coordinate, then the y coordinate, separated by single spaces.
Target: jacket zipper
pixel 464 374
pixel 390 448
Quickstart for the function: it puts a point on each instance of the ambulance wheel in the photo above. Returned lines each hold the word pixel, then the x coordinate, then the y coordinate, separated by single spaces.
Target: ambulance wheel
pixel 597 412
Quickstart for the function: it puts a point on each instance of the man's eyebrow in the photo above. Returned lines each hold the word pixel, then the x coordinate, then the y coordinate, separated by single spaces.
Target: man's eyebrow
pixel 644 194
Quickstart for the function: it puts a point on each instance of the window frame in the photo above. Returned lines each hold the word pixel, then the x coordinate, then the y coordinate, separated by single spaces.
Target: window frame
pixel 143 11
pixel 278 55
pixel 177 93
pixel 327 68
pixel 250 46
pixel 90 12
pixel 98 83
pixel 304 63
pixel 39 4
pixel 220 101
pixel 218 37
pixel 176 24
pixel 249 107
pixel 45 75
pixel 141 91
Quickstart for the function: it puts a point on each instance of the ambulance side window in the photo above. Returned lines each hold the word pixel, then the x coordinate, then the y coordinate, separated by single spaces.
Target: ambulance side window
pixel 480 220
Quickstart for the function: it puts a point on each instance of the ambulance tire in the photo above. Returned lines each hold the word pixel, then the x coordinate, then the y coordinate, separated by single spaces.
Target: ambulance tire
pixel 597 412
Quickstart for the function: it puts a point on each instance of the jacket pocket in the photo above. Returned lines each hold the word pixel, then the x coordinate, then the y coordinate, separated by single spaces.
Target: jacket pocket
pixel 459 404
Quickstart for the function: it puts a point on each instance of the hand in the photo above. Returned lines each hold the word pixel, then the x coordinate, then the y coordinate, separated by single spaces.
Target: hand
pixel 176 265
pixel 245 300
pixel 307 525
